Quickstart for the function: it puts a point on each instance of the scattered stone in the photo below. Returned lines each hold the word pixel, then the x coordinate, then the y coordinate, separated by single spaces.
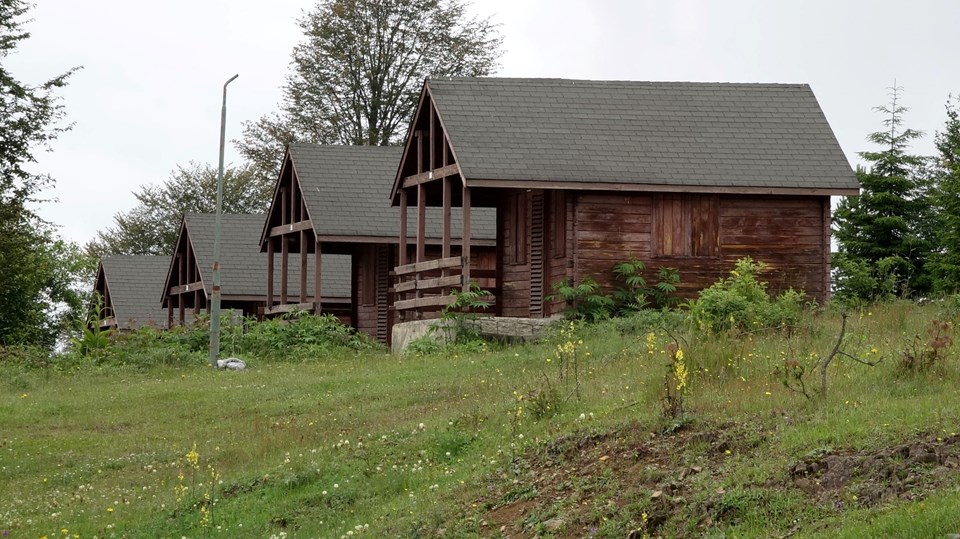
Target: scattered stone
pixel 553 524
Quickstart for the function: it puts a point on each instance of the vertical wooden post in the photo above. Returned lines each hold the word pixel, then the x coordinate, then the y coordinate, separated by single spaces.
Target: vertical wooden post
pixel 269 275
pixel 284 267
pixel 421 223
pixel 169 311
pixel 402 247
pixel 825 295
pixel 447 196
pixel 303 266
pixel 431 141
pixel 183 280
pixel 465 249
pixel 317 292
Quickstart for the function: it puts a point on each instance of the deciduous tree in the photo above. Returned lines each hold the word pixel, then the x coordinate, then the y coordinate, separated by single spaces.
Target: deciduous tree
pixel 357 74
pixel 36 295
pixel 151 227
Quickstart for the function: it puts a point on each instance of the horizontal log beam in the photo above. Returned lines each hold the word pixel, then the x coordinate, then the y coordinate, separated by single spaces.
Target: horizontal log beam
pixel 428 284
pixel 289 307
pixel 431 175
pixel 419 303
pixel 184 288
pixel 440 263
pixel 291 227
pixel 108 323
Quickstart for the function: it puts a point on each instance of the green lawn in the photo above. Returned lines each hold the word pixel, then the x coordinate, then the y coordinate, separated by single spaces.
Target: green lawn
pixel 469 443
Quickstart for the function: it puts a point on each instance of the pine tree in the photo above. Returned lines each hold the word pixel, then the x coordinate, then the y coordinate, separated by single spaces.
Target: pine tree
pixel 946 195
pixel 883 233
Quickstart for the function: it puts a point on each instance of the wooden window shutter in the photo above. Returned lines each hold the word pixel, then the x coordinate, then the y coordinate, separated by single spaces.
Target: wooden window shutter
pixel 536 253
pixel 383 285
pixel 686 225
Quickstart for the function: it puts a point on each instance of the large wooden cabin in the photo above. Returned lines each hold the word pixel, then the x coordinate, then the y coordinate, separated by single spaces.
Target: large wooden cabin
pixel 189 281
pixel 332 199
pixel 584 174
pixel 128 287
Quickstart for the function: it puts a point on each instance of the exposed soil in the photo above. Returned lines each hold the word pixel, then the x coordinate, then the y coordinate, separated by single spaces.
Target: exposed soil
pixel 602 484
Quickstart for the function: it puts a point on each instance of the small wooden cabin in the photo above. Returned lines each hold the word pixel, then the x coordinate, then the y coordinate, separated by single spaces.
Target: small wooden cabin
pixel 243 282
pixel 332 199
pixel 128 286
pixel 585 174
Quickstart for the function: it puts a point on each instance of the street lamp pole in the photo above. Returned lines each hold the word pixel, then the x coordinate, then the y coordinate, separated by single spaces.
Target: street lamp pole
pixel 215 303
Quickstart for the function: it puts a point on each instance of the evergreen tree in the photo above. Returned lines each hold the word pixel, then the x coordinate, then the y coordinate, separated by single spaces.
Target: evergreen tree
pixel 946 263
pixel 356 76
pixel 883 233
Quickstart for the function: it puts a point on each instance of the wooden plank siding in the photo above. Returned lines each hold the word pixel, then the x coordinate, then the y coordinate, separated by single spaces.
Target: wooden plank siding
pixel 786 233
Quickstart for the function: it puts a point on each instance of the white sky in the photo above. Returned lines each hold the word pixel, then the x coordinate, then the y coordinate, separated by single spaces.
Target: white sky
pixel 149 94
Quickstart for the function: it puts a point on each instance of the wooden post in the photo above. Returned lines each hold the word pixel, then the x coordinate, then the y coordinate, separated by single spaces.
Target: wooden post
pixel 303 266
pixel 465 249
pixel 269 274
pixel 421 223
pixel 169 311
pixel 446 217
pixel 284 267
pixel 183 280
pixel 402 244
pixel 316 274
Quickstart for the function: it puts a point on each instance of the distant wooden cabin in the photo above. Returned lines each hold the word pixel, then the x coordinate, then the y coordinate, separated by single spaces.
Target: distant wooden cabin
pixel 129 287
pixel 243 281
pixel 335 199
pixel 585 174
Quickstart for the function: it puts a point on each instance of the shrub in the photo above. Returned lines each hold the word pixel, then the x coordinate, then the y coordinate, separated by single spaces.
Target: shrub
pixel 636 295
pixel 585 301
pixel 740 302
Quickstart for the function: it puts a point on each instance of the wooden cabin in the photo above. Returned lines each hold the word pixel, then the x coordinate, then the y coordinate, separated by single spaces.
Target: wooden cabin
pixel 243 271
pixel 335 200
pixel 585 174
pixel 128 287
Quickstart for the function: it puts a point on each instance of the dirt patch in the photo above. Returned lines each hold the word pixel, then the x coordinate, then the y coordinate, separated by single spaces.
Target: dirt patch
pixel 903 472
pixel 606 484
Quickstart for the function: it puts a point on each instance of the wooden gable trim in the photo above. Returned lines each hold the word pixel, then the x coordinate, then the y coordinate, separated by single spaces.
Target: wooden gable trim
pixel 443 171
pixel 168 288
pixel 658 188
pixel 276 205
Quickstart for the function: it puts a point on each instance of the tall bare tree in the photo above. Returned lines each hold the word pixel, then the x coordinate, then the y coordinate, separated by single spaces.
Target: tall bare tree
pixel 356 76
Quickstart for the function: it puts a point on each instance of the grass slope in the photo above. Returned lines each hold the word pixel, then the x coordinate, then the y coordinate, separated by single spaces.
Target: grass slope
pixel 475 443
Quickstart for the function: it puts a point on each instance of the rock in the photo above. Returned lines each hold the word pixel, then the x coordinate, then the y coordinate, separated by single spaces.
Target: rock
pixel 231 364
pixel 553 524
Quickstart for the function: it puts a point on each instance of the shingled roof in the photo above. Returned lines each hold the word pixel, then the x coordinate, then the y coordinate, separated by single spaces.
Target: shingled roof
pixel 346 191
pixel 649 133
pixel 134 283
pixel 243 268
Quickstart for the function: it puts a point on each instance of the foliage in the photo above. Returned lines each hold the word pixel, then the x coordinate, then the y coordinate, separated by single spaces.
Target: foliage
pixel 585 301
pixel 357 74
pixel 38 303
pixel 889 224
pixel 464 309
pixel 929 352
pixel 741 303
pixel 377 445
pixel 151 227
pixel 636 295
pixel 93 339
pixel 946 197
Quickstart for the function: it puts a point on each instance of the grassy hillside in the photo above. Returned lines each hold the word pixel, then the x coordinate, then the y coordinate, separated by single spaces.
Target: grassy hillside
pixel 485 441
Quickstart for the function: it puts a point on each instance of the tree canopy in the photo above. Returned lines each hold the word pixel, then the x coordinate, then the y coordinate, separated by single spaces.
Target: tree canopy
pixel 946 196
pixel 884 233
pixel 38 301
pixel 151 227
pixel 357 74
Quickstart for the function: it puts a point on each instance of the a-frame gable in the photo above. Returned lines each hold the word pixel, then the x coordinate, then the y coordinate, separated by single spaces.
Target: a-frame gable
pixel 288 207
pixel 184 270
pixel 102 287
pixel 427 152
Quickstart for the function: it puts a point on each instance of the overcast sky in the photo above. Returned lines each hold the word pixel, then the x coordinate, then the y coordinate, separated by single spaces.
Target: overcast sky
pixel 148 96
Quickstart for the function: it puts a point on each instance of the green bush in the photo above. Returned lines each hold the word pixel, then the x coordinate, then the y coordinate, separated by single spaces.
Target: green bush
pixel 741 302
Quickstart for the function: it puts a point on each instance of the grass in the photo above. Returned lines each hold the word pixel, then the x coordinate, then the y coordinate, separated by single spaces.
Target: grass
pixel 361 443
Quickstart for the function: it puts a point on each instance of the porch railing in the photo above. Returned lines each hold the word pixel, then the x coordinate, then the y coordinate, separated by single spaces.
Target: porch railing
pixel 427 286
